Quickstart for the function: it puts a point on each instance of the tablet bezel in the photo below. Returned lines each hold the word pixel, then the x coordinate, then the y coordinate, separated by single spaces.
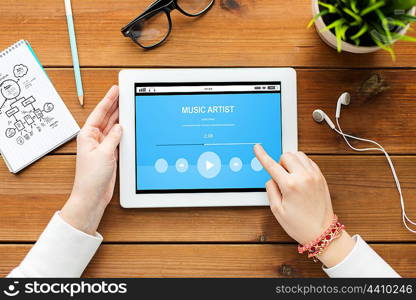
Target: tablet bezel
pixel 127 80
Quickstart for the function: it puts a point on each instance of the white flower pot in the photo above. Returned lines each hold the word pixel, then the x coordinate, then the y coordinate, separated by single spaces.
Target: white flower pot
pixel 329 38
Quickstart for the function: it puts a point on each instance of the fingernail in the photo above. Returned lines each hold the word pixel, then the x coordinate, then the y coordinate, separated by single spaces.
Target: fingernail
pixel 111 90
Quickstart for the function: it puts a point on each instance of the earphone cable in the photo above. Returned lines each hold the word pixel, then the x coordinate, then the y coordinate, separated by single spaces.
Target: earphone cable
pixel 380 148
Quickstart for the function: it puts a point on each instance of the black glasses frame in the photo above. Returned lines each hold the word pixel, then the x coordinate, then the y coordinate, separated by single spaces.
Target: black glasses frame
pixel 156 7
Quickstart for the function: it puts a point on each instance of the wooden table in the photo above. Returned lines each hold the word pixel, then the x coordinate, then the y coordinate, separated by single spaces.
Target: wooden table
pixel 225 242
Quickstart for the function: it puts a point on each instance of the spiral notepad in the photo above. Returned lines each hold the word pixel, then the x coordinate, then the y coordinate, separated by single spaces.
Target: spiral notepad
pixel 33 118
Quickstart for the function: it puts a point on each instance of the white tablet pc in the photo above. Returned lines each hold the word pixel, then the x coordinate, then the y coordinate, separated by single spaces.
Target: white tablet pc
pixel 188 134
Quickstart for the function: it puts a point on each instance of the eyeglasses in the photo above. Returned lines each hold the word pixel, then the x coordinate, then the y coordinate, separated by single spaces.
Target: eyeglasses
pixel 153 26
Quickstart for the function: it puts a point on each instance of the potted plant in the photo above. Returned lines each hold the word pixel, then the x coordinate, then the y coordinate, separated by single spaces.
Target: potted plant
pixel 363 26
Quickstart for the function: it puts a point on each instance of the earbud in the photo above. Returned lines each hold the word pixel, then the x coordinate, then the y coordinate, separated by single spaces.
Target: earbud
pixel 344 99
pixel 319 116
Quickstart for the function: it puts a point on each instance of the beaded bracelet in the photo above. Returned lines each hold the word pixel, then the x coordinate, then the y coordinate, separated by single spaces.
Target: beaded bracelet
pixel 316 247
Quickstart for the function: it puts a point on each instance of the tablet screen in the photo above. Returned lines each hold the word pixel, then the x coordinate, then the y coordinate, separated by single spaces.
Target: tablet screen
pixel 199 137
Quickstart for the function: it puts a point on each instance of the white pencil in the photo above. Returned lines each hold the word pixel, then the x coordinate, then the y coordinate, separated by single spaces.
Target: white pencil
pixel 74 51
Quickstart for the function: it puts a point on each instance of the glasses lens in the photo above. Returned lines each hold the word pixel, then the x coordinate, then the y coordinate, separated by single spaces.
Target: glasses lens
pixel 152 30
pixel 194 7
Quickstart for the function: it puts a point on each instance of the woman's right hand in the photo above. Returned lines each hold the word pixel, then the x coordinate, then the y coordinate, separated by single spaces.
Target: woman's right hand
pixel 96 166
pixel 300 200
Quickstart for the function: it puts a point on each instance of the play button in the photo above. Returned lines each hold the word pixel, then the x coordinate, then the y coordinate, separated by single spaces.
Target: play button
pixel 209 165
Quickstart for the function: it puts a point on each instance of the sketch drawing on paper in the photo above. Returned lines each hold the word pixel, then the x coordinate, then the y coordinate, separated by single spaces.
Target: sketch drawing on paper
pixel 25 115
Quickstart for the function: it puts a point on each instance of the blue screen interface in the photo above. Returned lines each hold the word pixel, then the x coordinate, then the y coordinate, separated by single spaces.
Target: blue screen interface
pixel 200 138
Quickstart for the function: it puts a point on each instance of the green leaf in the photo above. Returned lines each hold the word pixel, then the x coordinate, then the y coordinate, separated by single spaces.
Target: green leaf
pixel 333 25
pixel 331 8
pixel 353 15
pixel 407 18
pixel 317 16
pixel 384 23
pixel 339 38
pixel 384 47
pixel 405 38
pixel 396 23
pixel 354 6
pixel 372 8
pixel 357 42
pixel 362 30
pixel 343 29
pixel 378 31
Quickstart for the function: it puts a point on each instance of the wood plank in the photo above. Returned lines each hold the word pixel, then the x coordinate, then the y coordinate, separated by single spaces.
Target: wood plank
pixel 389 118
pixel 210 260
pixel 362 188
pixel 254 33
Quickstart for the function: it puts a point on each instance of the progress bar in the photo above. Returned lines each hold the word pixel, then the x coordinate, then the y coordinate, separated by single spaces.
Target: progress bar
pixel 230 144
pixel 211 144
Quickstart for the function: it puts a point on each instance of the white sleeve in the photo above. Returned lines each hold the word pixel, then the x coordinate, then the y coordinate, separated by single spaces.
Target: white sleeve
pixel 61 251
pixel 362 261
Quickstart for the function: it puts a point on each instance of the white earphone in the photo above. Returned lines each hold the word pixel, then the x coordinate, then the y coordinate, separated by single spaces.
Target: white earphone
pixel 345 99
